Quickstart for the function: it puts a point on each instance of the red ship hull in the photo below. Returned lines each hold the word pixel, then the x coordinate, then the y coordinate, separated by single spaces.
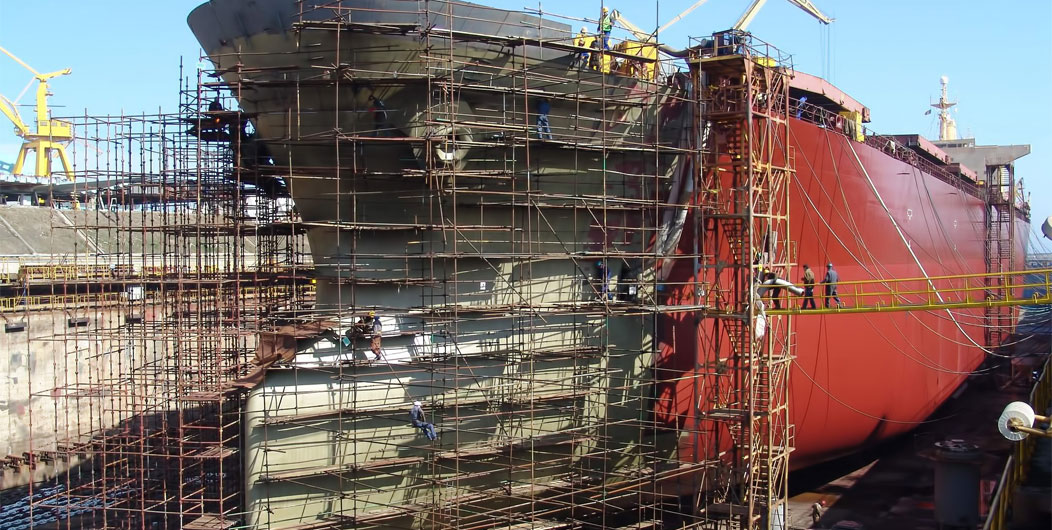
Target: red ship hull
pixel 858 378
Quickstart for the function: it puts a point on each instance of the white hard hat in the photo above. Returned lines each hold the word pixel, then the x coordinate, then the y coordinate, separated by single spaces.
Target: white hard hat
pixel 584 29
pixel 416 403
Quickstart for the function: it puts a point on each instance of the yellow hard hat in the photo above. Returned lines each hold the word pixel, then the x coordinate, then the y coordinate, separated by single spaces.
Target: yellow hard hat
pixel 605 9
pixel 372 313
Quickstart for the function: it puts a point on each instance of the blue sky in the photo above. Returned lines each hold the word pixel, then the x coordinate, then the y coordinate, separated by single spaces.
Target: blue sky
pixel 888 54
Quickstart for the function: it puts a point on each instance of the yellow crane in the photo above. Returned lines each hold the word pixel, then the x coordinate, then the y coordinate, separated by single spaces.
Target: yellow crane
pixel 644 45
pixel 50 136
pixel 743 21
pixel 754 8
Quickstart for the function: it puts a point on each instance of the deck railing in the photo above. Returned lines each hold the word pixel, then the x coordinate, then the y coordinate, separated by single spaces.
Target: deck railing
pixel 836 123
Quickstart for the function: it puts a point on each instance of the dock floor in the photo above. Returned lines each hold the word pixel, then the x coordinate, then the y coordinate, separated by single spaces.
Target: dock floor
pixel 892 486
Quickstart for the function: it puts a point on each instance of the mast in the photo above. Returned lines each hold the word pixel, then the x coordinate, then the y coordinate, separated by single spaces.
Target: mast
pixel 947 127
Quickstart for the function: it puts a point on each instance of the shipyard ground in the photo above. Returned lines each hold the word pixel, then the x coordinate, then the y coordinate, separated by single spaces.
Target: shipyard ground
pixel 892 485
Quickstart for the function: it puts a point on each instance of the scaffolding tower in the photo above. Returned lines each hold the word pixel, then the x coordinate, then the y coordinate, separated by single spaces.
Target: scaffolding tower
pixel 743 88
pixel 999 220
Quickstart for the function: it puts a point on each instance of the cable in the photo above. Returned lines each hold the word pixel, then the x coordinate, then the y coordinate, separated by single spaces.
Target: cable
pixel 910 249
pixel 860 412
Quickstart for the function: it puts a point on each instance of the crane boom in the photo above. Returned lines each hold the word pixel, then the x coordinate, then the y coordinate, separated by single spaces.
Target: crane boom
pixel 754 8
pixel 19 61
pixel 678 17
pixel 11 111
pixel 646 37
pixel 812 10
pixel 620 19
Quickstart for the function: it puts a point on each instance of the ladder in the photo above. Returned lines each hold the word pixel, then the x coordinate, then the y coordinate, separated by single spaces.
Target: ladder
pixel 999 248
pixel 746 171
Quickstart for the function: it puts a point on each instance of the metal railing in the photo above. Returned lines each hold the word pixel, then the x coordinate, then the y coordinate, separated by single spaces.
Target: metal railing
pixel 1014 474
pixel 836 123
pixel 33 302
pixel 935 292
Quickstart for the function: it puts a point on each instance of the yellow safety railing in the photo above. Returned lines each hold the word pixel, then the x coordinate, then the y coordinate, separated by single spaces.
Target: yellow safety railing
pixel 71 272
pixel 918 294
pixel 999 517
pixel 50 301
pixel 45 302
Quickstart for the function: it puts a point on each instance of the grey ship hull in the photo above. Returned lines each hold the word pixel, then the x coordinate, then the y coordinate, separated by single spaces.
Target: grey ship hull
pixel 476 250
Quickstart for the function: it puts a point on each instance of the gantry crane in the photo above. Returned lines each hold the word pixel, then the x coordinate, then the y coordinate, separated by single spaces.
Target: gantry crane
pixel 50 136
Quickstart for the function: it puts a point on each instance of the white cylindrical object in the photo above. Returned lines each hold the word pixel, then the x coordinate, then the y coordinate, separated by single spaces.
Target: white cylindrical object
pixel 761 325
pixel 1015 410
pixel 778 282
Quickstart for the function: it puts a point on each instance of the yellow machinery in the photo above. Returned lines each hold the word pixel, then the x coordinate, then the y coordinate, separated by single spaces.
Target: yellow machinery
pixel 50 136
pixel 645 46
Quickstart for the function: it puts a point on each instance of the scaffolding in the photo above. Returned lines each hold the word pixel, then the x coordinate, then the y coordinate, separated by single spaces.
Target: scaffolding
pixel 518 290
pixel 165 278
pixel 513 284
pixel 439 203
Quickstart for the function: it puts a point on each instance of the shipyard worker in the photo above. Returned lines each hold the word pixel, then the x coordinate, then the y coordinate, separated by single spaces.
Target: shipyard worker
pixel 416 416
pixel 830 282
pixel 606 23
pixel 374 344
pixel 583 40
pixel 602 278
pixel 210 128
pixel 800 107
pixel 544 129
pixel 379 112
pixel 776 292
pixel 594 61
pixel 816 511
pixel 809 288
pixel 364 325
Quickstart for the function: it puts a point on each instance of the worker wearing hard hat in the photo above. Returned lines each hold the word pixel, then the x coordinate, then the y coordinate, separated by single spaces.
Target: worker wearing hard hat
pixel 417 418
pixel 830 282
pixel 583 40
pixel 606 23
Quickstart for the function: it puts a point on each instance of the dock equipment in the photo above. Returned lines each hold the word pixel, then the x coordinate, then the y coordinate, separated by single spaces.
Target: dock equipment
pixel 50 137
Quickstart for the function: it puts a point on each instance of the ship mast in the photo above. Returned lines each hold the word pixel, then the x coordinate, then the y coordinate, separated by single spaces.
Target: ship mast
pixel 947 127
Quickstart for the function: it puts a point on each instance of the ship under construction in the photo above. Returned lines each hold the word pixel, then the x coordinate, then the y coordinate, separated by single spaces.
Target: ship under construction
pixel 433 264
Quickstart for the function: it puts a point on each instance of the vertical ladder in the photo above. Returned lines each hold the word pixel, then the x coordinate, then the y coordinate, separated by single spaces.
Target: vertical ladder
pixel 1000 249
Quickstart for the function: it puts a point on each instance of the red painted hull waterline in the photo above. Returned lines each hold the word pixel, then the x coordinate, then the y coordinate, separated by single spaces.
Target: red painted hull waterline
pixel 858 378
